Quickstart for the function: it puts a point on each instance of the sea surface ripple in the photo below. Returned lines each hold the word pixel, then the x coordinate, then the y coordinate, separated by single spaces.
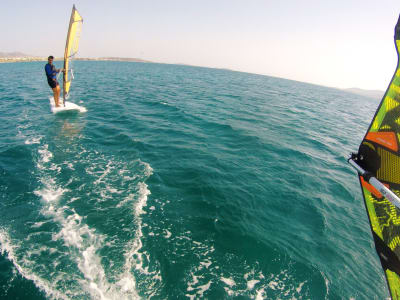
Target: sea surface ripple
pixel 181 182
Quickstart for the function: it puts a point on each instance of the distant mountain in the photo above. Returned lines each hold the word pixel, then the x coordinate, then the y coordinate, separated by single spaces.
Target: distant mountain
pixel 123 59
pixel 375 94
pixel 14 54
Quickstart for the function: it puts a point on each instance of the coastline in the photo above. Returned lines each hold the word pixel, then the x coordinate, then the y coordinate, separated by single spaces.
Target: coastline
pixel 375 94
pixel 30 59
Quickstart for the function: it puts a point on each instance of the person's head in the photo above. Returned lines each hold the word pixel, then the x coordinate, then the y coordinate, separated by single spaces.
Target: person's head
pixel 50 59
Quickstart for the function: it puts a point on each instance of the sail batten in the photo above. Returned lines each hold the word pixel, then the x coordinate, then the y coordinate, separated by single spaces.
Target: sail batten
pixel 71 48
pixel 378 165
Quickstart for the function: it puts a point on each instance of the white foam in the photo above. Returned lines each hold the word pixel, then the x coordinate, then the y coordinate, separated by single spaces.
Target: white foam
pixel 199 290
pixel 252 283
pixel 260 294
pixel 108 170
pixel 37 224
pixel 83 244
pixel 298 289
pixel 9 250
pixel 197 285
pixel 135 258
pixel 148 170
pixel 113 190
pixel 273 285
pixel 142 200
pixel 229 281
pixel 45 154
pixel 50 194
pixel 33 140
pixel 206 264
pixel 73 199
pixel 194 281
pixel 326 283
pixel 127 199
pixel 203 288
pixel 122 172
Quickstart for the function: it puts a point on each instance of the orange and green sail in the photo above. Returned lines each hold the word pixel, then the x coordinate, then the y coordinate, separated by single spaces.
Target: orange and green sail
pixel 71 48
pixel 379 156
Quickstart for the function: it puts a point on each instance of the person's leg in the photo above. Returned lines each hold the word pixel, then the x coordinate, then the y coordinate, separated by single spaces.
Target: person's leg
pixel 58 92
pixel 55 96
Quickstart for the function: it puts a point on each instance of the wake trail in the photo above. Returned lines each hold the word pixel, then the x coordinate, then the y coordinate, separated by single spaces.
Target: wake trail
pixel 71 263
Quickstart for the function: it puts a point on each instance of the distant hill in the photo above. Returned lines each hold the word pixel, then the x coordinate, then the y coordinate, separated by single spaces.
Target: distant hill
pixel 123 59
pixel 22 57
pixel 14 54
pixel 375 94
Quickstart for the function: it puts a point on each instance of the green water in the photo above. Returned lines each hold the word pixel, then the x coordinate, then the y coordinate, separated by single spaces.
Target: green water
pixel 181 183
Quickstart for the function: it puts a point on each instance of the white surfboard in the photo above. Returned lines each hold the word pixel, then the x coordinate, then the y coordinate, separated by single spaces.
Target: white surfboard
pixel 69 106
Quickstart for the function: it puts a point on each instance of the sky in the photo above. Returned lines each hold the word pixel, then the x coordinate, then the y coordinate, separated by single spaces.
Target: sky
pixel 338 43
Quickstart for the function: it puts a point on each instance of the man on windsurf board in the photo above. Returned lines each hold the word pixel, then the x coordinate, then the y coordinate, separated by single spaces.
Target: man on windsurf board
pixel 51 73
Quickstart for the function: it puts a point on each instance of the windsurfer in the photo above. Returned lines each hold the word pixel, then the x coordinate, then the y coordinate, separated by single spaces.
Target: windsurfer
pixel 51 73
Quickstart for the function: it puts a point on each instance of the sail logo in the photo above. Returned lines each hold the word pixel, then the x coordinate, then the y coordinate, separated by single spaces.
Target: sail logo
pixel 386 139
pixel 384 142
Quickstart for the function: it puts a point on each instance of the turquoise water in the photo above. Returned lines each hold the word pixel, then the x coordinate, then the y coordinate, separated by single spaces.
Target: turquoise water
pixel 181 183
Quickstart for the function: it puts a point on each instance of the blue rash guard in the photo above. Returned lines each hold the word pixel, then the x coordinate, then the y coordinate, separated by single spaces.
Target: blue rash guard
pixel 51 74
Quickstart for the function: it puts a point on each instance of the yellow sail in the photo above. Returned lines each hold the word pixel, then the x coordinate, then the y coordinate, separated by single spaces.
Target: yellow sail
pixel 71 48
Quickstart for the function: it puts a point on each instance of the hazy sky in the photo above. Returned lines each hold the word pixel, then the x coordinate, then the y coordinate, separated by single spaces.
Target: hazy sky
pixel 334 43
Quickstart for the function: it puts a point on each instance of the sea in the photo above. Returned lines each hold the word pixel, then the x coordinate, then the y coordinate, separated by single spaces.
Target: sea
pixel 182 182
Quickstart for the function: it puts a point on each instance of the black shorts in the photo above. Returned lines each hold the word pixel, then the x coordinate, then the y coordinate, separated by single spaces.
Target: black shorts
pixel 52 83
